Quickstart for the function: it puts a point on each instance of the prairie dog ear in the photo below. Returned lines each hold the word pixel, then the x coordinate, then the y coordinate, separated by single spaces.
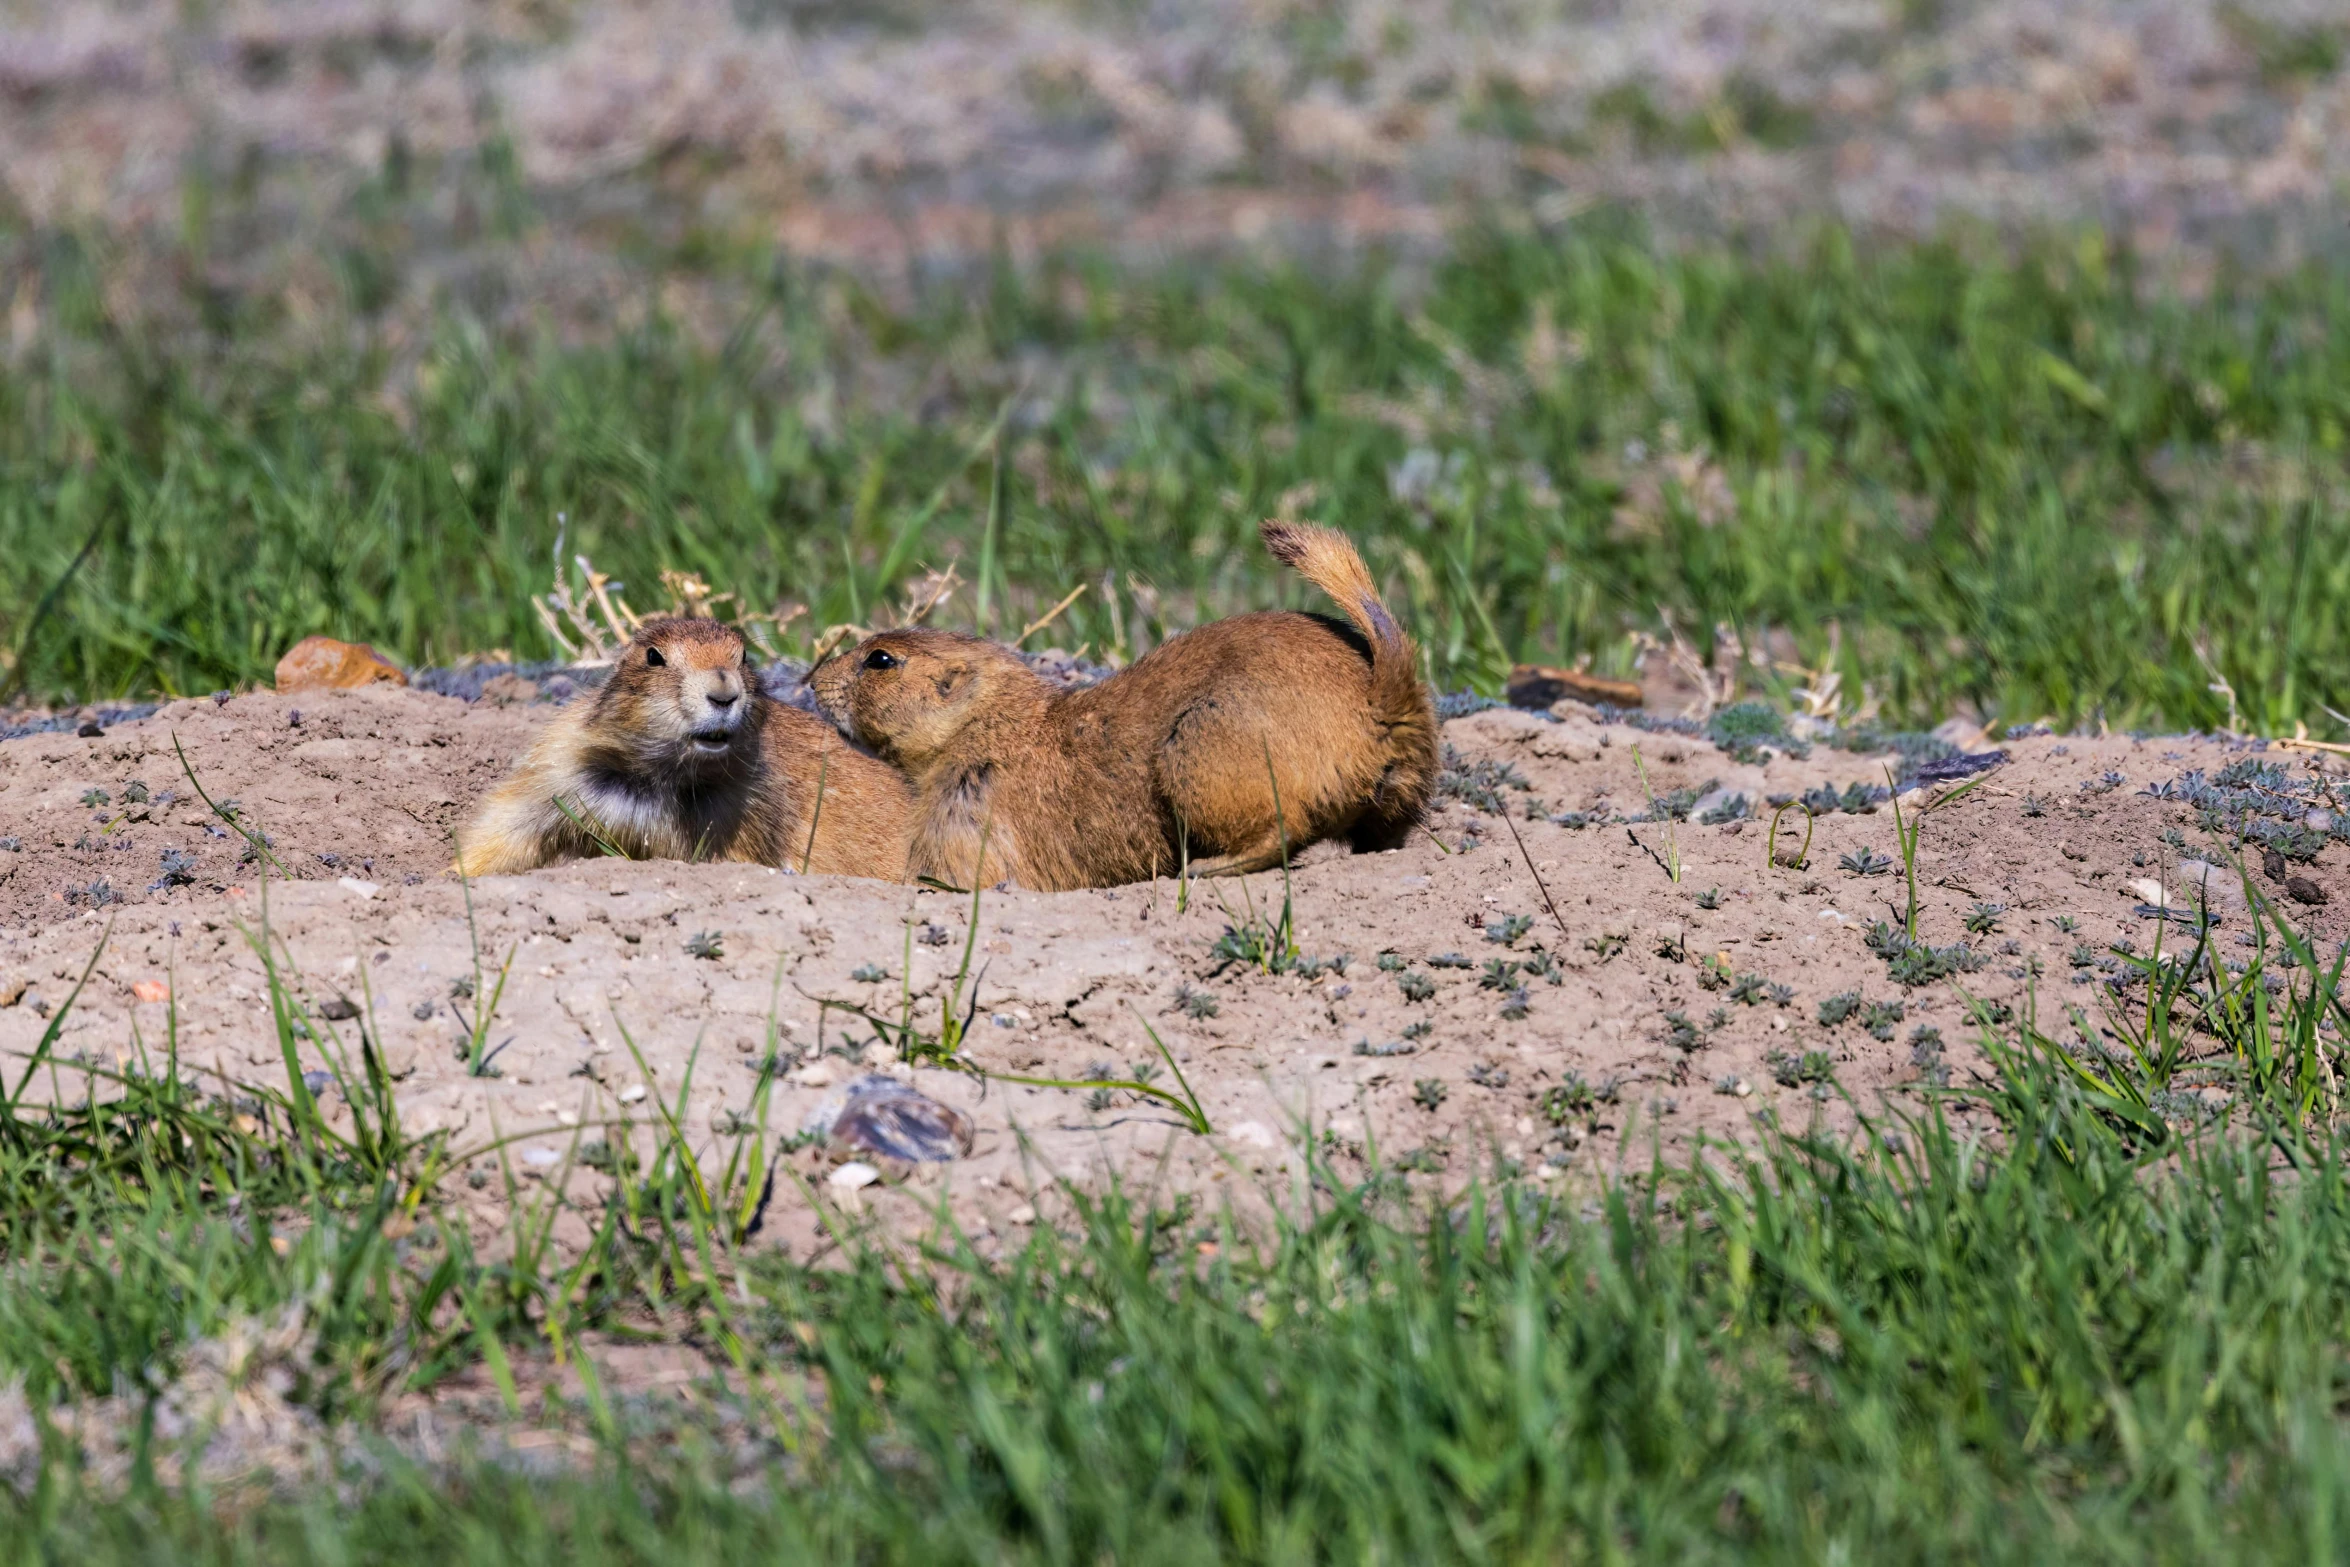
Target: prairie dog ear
pixel 951 678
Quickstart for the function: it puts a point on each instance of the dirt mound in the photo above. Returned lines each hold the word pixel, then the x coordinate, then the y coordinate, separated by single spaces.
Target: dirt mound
pixel 367 784
pixel 1441 1018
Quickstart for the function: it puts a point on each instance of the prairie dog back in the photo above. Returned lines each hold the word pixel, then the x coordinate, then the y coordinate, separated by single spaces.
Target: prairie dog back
pixel 1179 758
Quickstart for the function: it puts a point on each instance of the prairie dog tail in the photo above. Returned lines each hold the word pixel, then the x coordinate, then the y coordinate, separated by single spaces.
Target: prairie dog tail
pixel 1327 559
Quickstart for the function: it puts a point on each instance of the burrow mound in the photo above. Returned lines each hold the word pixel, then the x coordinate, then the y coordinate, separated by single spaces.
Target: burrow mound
pixel 1452 1013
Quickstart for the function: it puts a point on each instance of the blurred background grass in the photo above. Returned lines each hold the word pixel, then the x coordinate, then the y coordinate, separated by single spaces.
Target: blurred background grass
pixel 2018 486
pixel 1814 337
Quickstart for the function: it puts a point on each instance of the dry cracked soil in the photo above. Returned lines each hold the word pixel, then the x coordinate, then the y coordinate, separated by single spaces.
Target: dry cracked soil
pixel 1567 1009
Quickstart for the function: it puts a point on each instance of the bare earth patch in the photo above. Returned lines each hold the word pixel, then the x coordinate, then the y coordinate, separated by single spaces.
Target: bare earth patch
pixel 1464 1029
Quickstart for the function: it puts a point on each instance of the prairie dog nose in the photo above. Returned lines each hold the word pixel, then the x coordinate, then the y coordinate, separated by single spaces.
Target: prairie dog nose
pixel 722 689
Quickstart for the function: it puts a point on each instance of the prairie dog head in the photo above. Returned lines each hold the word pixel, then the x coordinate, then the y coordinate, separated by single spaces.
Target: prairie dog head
pixel 683 696
pixel 905 695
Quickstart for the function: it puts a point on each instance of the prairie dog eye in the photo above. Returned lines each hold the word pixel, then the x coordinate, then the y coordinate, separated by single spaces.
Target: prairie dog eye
pixel 882 658
pixel 653 657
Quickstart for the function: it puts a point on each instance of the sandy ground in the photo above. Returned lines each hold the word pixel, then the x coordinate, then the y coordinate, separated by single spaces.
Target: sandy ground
pixel 1650 1032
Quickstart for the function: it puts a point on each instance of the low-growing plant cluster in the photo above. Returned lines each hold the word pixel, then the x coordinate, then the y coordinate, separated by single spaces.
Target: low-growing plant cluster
pixel 2269 804
pixel 1479 782
pixel 1859 799
pixel 1912 962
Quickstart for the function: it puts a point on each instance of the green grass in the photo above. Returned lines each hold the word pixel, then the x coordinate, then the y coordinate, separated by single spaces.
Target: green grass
pixel 2038 486
pixel 2029 1320
pixel 2061 1314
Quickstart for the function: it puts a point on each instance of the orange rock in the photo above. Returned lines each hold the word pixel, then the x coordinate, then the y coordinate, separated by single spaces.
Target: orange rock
pixel 151 990
pixel 322 661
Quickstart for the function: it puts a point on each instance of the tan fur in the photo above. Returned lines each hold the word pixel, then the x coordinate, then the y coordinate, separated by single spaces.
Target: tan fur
pixel 627 763
pixel 1178 757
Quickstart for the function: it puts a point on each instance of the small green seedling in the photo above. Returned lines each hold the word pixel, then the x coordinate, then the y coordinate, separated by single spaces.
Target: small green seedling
pixel 1908 829
pixel 1670 860
pixel 1195 1004
pixel 478 1054
pixel 1181 1100
pixel 1773 854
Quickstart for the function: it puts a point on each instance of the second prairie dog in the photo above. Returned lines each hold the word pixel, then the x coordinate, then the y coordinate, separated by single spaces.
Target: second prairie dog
pixel 682 756
pixel 1176 758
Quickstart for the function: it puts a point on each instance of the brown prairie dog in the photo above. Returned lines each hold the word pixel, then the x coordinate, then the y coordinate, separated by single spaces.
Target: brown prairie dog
pixel 682 756
pixel 1177 758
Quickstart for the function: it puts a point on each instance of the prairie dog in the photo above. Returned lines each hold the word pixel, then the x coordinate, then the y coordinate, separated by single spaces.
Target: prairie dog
pixel 682 756
pixel 1177 758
